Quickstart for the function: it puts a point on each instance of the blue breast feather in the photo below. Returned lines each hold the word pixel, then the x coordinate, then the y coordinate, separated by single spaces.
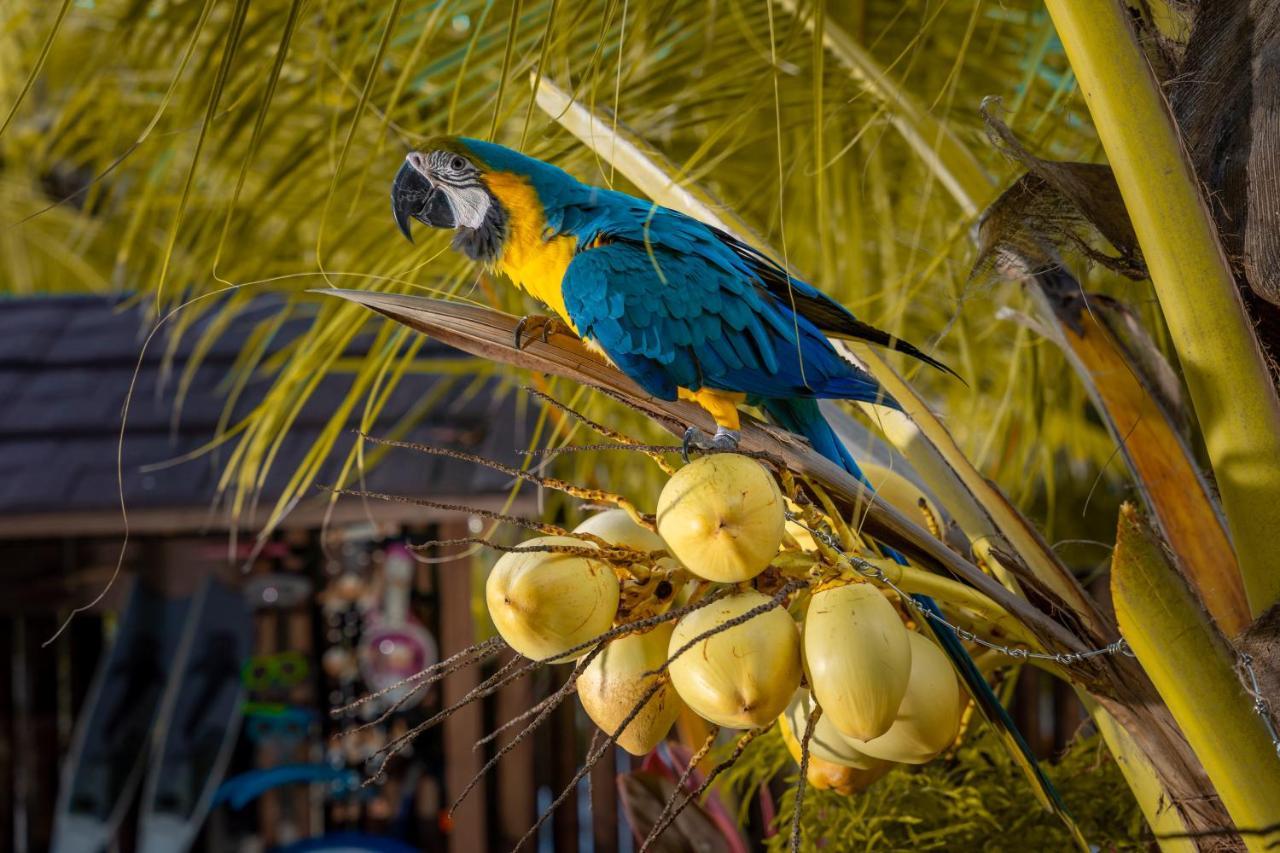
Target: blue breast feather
pixel 673 305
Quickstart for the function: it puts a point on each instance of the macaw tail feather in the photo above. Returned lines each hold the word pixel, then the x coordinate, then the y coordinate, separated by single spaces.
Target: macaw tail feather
pixel 803 417
pixel 997 716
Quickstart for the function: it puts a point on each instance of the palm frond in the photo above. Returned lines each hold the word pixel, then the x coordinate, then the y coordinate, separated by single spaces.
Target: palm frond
pixel 306 84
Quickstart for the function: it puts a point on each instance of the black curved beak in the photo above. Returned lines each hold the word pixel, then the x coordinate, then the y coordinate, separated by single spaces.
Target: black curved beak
pixel 413 197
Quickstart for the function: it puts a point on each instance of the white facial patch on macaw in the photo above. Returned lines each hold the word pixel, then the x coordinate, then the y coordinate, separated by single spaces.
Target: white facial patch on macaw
pixel 469 205
pixel 459 180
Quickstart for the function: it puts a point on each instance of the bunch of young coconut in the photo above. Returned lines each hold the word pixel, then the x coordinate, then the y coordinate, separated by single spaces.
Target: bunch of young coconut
pixel 623 675
pixel 887 694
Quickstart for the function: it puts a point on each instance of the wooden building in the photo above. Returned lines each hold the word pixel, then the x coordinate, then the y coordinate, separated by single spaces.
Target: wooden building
pixel 65 367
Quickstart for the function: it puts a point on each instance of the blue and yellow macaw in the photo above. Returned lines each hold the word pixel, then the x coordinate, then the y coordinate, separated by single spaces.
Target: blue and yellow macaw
pixel 682 308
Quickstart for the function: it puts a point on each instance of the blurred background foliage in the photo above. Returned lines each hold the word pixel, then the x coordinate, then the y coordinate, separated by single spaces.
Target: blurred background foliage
pixel 198 153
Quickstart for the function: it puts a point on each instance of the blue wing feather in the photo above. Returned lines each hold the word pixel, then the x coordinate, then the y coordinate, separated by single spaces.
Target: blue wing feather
pixel 672 309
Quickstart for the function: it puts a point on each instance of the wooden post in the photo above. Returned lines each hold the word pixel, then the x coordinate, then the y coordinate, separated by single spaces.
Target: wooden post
pixel 564 764
pixel 1030 698
pixel 8 734
pixel 604 804
pixel 465 726
pixel 270 813
pixel 300 636
pixel 517 790
pixel 1068 715
pixel 37 735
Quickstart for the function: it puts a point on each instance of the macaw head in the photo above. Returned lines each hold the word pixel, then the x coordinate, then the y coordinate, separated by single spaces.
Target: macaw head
pixel 449 184
pixel 475 188
pixel 441 186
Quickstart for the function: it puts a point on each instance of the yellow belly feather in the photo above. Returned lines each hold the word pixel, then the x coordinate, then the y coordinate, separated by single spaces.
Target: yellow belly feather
pixel 536 265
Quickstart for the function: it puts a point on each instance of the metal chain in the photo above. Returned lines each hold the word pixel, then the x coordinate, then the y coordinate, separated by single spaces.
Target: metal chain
pixel 1260 705
pixel 870 570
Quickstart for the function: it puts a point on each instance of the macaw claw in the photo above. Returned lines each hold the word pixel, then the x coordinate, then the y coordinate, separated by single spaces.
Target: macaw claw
pixel 539 326
pixel 724 441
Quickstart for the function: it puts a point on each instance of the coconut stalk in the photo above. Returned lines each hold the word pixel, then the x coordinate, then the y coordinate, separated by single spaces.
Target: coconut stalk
pixel 1231 390
pixel 1193 668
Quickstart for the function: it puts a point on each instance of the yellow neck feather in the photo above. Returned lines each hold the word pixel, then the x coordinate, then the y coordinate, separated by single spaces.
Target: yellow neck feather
pixel 535 264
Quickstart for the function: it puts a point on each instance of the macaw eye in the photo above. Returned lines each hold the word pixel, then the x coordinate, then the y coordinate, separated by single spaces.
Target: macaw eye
pixel 457 164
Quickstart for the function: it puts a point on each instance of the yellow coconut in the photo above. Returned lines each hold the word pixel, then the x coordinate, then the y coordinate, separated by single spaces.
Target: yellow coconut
pixel 544 603
pixel 615 681
pixel 846 780
pixel 616 527
pixel 743 676
pixel 722 517
pixel 929 716
pixel 858 656
pixel 851 780
pixel 827 775
pixel 827 743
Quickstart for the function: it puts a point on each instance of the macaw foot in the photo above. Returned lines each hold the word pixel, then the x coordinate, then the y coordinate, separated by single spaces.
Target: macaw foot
pixel 725 440
pixel 541 327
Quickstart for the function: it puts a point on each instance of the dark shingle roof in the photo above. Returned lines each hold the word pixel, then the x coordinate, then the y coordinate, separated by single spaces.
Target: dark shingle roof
pixel 65 367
